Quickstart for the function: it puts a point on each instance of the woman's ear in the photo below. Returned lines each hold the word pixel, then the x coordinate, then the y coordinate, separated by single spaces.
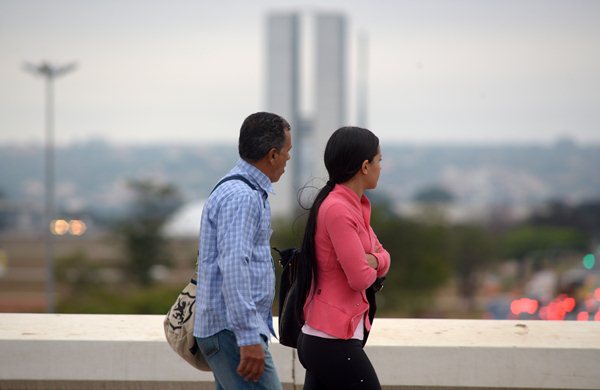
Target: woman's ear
pixel 364 167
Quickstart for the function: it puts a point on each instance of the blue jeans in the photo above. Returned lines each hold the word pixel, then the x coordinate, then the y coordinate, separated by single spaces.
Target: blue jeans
pixel 223 356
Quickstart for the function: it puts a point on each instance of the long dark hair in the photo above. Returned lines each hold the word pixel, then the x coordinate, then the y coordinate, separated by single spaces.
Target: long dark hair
pixel 345 152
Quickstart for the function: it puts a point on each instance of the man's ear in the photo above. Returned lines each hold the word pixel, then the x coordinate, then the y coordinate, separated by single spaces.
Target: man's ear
pixel 272 155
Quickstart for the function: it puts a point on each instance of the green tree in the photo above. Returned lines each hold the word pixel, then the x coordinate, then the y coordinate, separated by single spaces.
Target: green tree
pixel 419 263
pixel 77 272
pixel 584 217
pixel 528 240
pixel 433 202
pixel 4 214
pixel 530 244
pixel 434 194
pixel 141 230
pixel 471 249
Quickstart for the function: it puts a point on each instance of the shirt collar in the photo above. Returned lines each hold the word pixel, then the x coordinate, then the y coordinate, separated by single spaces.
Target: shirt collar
pixel 256 174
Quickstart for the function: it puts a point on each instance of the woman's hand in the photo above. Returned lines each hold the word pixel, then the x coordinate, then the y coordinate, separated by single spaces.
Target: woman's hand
pixel 372 261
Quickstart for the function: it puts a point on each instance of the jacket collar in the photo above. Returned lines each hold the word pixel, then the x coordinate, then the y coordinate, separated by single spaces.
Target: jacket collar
pixel 362 204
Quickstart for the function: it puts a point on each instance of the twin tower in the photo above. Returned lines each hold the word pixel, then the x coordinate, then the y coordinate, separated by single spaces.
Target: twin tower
pixel 288 88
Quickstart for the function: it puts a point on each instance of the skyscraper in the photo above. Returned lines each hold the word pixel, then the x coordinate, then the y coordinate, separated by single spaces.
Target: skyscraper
pixel 283 95
pixel 284 62
pixel 330 83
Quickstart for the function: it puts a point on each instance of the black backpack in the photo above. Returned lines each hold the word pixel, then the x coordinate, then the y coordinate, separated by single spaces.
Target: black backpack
pixel 289 324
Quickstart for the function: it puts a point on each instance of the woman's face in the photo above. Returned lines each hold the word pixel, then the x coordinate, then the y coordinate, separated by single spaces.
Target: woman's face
pixel 373 170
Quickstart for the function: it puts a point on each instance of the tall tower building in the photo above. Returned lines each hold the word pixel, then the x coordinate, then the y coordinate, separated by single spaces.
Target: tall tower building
pixel 309 134
pixel 361 80
pixel 330 84
pixel 283 96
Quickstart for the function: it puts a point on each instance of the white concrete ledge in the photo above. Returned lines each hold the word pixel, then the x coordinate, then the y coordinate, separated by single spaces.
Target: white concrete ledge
pixel 52 351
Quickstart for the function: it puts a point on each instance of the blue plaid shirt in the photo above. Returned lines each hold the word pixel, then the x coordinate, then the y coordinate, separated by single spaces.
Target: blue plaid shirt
pixel 236 275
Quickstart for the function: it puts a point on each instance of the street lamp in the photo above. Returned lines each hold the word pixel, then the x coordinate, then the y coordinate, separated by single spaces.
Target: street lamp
pixel 49 72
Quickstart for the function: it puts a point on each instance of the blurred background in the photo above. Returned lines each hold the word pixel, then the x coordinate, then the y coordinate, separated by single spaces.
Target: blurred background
pixel 118 117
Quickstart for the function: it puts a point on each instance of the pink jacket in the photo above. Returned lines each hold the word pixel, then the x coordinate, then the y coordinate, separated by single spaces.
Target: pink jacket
pixel 343 237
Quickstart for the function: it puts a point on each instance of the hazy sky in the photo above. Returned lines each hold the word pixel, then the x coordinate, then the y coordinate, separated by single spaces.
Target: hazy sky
pixel 190 71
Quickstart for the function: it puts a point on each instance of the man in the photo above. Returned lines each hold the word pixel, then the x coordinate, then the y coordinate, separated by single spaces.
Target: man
pixel 236 280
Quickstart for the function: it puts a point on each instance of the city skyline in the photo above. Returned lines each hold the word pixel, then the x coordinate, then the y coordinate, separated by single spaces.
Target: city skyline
pixel 186 72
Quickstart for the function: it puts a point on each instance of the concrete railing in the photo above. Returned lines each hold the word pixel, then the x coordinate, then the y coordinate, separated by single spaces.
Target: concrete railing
pixel 52 351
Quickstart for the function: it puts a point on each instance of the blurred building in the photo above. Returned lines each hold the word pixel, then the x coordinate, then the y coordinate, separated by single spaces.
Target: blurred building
pixel 330 88
pixel 310 132
pixel 283 96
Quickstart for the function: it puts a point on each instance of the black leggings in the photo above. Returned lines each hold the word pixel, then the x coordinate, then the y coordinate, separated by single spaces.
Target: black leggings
pixel 335 364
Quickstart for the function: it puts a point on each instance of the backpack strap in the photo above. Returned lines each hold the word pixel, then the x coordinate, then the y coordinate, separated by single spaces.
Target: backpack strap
pixel 242 178
pixel 235 177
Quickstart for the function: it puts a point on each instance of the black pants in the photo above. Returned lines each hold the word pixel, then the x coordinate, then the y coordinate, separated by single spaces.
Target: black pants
pixel 335 364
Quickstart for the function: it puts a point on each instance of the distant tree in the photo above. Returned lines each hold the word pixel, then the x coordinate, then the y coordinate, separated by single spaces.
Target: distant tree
pixel 420 264
pixel 382 207
pixel 77 272
pixel 288 232
pixel 530 244
pixel 432 203
pixel 144 241
pixel 4 215
pixel 584 217
pixel 471 249
pixel 528 240
pixel 433 195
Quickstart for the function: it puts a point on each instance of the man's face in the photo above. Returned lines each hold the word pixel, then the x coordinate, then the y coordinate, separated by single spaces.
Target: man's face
pixel 281 158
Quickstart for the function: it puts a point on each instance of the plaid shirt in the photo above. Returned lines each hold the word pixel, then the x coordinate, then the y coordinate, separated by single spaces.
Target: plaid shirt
pixel 236 275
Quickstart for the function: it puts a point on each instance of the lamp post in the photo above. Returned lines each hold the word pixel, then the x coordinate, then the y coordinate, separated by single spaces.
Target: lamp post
pixel 49 72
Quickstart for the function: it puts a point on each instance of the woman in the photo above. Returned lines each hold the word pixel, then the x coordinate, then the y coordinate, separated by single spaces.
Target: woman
pixel 341 257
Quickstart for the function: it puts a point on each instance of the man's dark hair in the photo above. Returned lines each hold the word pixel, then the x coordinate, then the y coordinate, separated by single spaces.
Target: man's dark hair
pixel 259 133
